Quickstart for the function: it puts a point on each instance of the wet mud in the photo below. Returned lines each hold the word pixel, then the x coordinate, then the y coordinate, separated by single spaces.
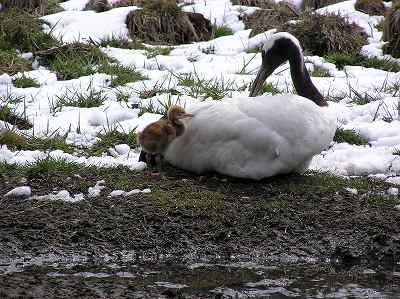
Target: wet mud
pixel 200 236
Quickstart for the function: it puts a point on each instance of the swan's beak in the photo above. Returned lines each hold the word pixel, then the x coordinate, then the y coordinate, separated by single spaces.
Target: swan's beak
pixel 258 82
pixel 185 115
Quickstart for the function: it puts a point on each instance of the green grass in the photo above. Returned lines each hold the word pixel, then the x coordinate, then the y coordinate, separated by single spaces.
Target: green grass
pixel 25 82
pixel 154 51
pixel 319 72
pixel 121 42
pixel 222 31
pixel 12 139
pixel 110 139
pixel 50 166
pixel 349 136
pixel 10 116
pixel 53 6
pixel 120 75
pixel 48 144
pixel 21 30
pixel 343 59
pixel 215 89
pixel 270 88
pixel 75 60
pixel 78 98
pixel 11 62
pixel 15 141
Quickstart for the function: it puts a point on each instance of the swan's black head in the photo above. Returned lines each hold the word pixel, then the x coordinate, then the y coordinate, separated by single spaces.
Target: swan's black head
pixel 278 48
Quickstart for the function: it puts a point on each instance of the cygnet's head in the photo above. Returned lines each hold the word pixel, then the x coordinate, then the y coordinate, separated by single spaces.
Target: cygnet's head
pixel 277 49
pixel 176 113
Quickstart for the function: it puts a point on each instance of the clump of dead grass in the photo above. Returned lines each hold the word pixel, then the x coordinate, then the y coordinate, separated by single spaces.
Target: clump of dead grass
pixel 270 16
pixel 124 3
pixel 371 7
pixel 98 5
pixel 35 7
pixel 315 4
pixel 391 32
pixel 324 34
pixel 11 62
pixel 163 21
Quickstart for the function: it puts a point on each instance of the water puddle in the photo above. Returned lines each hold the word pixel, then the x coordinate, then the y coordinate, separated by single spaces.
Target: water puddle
pixel 204 279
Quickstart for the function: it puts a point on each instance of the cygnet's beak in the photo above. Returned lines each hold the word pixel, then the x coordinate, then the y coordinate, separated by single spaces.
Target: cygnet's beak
pixel 185 115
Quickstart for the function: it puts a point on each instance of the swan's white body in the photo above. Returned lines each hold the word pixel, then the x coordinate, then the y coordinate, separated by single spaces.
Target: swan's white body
pixel 253 137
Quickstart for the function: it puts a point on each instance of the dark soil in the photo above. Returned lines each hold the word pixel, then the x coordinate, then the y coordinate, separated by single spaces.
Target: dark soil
pixel 187 218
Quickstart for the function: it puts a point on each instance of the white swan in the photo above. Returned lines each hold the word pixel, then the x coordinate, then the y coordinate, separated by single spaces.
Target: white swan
pixel 263 136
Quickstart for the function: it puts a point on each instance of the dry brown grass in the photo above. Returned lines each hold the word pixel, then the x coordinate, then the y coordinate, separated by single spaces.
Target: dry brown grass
pixel 35 7
pixel 164 22
pixel 271 16
pixel 371 7
pixel 123 3
pixel 391 31
pixel 315 4
pixel 98 5
pixel 324 34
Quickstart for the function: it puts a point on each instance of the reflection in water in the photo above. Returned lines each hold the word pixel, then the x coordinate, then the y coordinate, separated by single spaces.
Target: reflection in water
pixel 229 280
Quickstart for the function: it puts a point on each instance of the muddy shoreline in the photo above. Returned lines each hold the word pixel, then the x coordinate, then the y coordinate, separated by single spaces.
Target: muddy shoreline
pixel 186 219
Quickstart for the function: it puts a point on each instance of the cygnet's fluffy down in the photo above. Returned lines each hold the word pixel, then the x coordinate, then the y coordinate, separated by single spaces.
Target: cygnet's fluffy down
pixel 253 137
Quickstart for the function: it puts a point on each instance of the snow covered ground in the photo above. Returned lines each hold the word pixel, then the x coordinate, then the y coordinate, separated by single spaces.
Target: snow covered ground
pixel 225 59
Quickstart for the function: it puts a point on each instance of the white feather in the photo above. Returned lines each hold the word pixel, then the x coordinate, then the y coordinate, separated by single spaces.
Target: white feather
pixel 253 137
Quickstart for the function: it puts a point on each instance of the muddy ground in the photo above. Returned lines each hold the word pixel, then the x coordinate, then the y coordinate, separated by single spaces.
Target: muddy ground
pixel 186 219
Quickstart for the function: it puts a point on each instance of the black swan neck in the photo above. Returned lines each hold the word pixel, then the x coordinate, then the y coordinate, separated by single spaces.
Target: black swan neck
pixel 302 81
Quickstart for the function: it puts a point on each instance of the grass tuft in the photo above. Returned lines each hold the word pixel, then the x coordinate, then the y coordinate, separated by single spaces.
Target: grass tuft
pixel 349 136
pixel 324 34
pixel 222 31
pixel 371 7
pixel 9 115
pixel 215 89
pixel 319 72
pixel 270 88
pixel 11 62
pixel 25 82
pixel 111 138
pixel 98 5
pixel 21 30
pixel 120 74
pixel 50 166
pixel 343 59
pixel 12 139
pixel 15 141
pixel 78 98
pixel 74 60
pixel 154 51
pixel 120 42
pixel 164 22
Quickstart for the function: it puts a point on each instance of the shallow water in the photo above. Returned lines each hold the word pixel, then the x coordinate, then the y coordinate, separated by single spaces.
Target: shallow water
pixel 146 278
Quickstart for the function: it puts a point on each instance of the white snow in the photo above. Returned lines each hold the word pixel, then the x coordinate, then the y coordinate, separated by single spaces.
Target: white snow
pixel 62 195
pixel 96 190
pixel 224 59
pixel 393 191
pixel 117 193
pixel 72 26
pixel 23 191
